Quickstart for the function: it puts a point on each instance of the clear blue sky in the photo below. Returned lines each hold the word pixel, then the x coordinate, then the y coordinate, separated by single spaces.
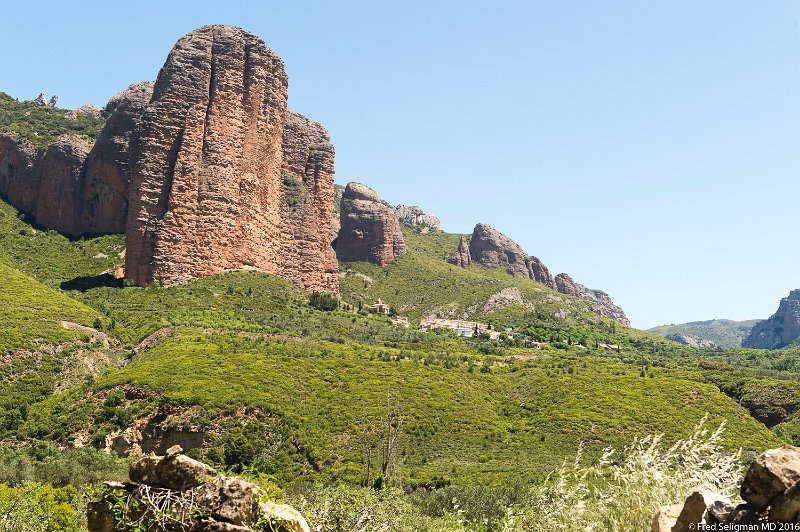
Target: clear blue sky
pixel 651 149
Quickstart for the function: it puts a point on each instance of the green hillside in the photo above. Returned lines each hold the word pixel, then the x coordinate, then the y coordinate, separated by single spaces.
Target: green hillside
pixel 37 354
pixel 464 418
pixel 42 125
pixel 724 333
pixel 252 378
pixel 49 256
pixel 30 313
pixel 422 283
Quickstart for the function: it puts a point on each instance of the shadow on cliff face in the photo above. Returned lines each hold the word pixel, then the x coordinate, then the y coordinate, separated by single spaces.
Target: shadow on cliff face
pixel 87 282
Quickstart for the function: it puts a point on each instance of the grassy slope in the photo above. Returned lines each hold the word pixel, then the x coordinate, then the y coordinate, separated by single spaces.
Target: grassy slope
pixel 517 420
pixel 30 313
pixel 724 333
pixel 422 282
pixel 37 355
pixel 250 339
pixel 42 125
pixel 50 257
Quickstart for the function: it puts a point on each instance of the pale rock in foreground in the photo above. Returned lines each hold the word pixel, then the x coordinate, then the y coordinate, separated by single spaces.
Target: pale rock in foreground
pixel 771 493
pixel 202 499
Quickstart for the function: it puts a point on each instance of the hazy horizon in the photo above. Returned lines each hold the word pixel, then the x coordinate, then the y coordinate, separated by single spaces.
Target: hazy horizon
pixel 650 151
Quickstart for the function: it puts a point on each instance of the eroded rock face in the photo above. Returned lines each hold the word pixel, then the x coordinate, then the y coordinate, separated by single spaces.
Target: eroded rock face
pixel 19 182
pixel 461 257
pixel 207 162
pixel 369 228
pixel 415 218
pixel 493 249
pixel 781 329
pixel 603 303
pixel 73 186
pixel 690 340
pixel 307 173
pixel 61 182
pixel 108 166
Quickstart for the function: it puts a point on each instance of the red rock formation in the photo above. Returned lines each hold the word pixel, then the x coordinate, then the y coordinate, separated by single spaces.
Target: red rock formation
pixel 490 247
pixel 603 303
pixel 369 229
pixel 461 256
pixel 107 171
pixel 60 170
pixel 73 187
pixel 19 182
pixel 307 183
pixel 207 170
pixel 207 160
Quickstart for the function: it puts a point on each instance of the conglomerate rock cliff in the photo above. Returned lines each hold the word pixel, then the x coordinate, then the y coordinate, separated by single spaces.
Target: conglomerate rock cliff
pixel 603 303
pixel 307 185
pixel 73 186
pixel 369 228
pixel 207 170
pixel 491 248
pixel 19 181
pixel 781 329
pixel 108 166
pixel 461 257
pixel 61 180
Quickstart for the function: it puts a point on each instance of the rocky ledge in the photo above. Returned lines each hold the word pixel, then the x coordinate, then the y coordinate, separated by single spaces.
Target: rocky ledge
pixel 175 492
pixel 415 218
pixel 770 496
pixel 369 228
pixel 491 248
pixel 781 329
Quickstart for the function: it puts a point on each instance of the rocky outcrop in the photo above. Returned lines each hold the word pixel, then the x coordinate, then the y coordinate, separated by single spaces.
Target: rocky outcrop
pixel 489 247
pixel 415 218
pixel 602 302
pixel 692 341
pixel 369 228
pixel 175 492
pixel 307 173
pixel 207 169
pixel 206 161
pixel 770 492
pixel 461 257
pixel 19 180
pixel 781 329
pixel 84 110
pixel 73 186
pixel 61 180
pixel 493 249
pixel 108 166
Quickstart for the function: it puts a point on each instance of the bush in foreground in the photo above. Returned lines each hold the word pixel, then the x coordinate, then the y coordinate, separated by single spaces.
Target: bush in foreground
pixel 621 491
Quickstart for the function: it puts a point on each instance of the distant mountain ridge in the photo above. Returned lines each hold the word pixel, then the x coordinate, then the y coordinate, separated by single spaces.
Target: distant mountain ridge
pixel 720 332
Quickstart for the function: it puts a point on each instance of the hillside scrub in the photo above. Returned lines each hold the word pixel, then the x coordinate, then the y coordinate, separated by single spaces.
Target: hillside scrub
pixel 619 491
pixel 41 125
pixel 323 402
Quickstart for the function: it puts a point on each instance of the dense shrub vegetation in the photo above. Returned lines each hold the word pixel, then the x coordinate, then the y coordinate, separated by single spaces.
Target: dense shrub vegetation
pixel 42 125
pixel 296 390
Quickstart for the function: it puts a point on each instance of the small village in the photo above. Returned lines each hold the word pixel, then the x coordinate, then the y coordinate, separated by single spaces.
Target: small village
pixel 468 329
